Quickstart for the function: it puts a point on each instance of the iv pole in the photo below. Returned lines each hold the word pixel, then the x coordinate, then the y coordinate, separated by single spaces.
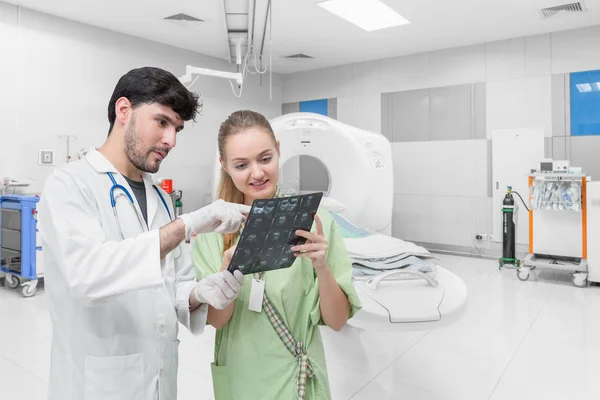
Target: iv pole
pixel 69 137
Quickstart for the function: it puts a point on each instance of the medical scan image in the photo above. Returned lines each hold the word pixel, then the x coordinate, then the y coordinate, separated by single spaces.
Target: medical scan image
pixel 309 201
pixel 265 207
pixel 276 239
pixel 283 221
pixel 269 233
pixel 288 205
pixel 258 223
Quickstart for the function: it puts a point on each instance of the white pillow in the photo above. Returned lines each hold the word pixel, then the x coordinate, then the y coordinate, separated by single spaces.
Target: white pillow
pixel 332 205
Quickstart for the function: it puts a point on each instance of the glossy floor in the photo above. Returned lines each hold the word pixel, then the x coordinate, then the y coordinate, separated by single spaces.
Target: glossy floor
pixel 538 339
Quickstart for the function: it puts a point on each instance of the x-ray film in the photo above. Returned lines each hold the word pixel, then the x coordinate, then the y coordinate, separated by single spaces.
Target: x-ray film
pixel 269 233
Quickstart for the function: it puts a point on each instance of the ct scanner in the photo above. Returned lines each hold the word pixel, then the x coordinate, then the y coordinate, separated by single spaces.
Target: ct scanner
pixel 360 194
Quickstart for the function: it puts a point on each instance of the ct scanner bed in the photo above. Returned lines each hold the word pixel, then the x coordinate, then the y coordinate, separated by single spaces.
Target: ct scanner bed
pixel 411 304
pixel 411 298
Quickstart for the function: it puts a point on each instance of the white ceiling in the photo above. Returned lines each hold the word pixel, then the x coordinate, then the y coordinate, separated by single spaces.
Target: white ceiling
pixel 300 26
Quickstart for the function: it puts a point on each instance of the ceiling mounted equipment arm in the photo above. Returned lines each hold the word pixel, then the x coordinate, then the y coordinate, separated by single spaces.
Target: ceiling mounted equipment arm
pixel 239 35
pixel 190 70
pixel 237 76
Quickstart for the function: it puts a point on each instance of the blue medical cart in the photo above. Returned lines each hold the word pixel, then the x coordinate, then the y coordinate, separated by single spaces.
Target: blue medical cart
pixel 18 247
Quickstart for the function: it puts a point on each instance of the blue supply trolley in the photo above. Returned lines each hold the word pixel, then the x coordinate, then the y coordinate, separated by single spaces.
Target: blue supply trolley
pixel 18 242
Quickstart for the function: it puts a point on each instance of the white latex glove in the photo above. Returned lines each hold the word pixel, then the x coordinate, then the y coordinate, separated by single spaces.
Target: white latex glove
pixel 219 290
pixel 220 217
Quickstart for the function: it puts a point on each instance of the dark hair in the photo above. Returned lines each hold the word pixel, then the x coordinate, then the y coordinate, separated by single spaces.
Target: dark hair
pixel 149 85
pixel 237 122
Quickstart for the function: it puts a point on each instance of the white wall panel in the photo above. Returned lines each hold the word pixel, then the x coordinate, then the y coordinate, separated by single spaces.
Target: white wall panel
pixel 412 218
pixel 576 50
pixel 9 100
pixel 538 55
pixel 405 73
pixel 519 103
pixel 366 78
pixel 458 168
pixel 411 167
pixel 505 59
pixel 456 66
pixel 311 85
pixel 451 220
pixel 363 112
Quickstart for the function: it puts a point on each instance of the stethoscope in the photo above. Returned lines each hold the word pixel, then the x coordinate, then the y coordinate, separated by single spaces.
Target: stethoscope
pixel 113 203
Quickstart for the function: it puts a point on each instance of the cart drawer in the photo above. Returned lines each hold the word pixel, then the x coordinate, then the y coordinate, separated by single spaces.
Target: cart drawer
pixel 11 239
pixel 11 259
pixel 11 219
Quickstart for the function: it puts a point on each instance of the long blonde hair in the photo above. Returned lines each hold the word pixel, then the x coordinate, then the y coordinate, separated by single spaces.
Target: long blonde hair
pixel 236 123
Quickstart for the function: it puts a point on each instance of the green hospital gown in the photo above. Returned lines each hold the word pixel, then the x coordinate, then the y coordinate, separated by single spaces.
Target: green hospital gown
pixel 251 362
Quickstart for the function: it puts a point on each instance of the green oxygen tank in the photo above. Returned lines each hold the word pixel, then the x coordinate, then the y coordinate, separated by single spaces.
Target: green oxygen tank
pixel 509 231
pixel 178 207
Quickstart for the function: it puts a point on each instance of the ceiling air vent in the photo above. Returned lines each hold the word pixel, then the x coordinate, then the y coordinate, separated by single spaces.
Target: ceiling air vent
pixel 298 56
pixel 183 17
pixel 572 7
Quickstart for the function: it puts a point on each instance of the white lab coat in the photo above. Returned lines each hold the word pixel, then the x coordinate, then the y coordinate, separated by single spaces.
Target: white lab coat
pixel 114 303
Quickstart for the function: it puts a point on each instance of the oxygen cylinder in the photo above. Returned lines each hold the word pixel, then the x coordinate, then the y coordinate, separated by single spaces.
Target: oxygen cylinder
pixel 178 207
pixel 508 229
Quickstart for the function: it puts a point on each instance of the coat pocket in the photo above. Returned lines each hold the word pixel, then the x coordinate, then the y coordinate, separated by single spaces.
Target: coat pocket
pixel 114 378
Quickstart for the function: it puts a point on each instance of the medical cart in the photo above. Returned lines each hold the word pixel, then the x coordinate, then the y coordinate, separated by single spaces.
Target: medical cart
pixel 558 225
pixel 19 250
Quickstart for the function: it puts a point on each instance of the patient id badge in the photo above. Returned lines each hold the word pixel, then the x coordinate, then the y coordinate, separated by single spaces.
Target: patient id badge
pixel 257 291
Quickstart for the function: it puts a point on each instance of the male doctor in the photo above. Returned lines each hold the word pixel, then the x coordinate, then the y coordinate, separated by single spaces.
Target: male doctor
pixel 117 278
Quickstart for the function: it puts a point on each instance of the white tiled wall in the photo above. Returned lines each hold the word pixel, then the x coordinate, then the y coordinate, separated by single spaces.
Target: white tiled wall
pixel 318 84
pixel 55 81
pixel 413 157
pixel 363 112
pixel 341 84
pixel 404 73
pixel 441 190
pixel 451 220
pixel 518 95
pixel 458 168
pixel 576 50
pixel 8 72
pixel 482 213
pixel 412 217
pixel 456 66
pixel 366 78
pixel 519 103
pixel 505 59
pixel 538 55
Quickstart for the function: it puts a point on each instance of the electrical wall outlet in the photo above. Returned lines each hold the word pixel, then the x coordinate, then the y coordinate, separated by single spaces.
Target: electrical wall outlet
pixel 46 157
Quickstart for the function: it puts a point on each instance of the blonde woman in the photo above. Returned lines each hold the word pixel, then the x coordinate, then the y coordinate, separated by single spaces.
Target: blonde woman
pixel 276 353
